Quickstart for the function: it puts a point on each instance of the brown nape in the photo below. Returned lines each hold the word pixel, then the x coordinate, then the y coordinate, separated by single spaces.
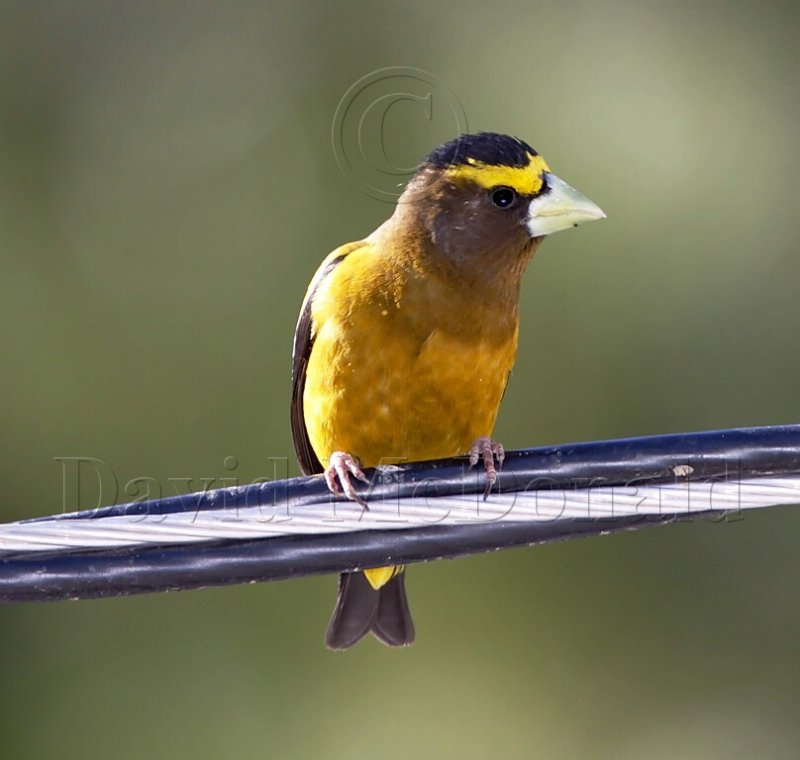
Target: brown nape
pixel 464 235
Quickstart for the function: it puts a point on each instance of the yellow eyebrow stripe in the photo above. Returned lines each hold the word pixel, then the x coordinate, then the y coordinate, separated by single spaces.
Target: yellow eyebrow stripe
pixel 526 180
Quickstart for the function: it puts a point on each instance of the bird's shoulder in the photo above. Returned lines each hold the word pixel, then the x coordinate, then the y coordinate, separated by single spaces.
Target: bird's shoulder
pixel 317 290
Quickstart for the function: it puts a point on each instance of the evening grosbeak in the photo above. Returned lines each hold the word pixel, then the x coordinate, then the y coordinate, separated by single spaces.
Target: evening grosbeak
pixel 406 338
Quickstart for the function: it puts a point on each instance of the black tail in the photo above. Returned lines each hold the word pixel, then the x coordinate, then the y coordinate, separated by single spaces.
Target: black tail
pixel 361 609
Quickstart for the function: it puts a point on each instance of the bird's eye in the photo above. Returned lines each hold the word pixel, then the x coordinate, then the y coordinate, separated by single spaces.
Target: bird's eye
pixel 503 197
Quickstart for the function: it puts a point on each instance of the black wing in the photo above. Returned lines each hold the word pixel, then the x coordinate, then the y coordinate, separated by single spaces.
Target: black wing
pixel 303 343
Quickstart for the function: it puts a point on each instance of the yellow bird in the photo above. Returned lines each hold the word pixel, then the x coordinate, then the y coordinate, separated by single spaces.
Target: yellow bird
pixel 406 338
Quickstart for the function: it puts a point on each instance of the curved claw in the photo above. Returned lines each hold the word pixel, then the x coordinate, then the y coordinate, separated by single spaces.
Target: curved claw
pixel 488 450
pixel 341 466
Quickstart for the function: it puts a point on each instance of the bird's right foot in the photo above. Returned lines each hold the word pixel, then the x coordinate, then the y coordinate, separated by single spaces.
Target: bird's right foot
pixel 341 466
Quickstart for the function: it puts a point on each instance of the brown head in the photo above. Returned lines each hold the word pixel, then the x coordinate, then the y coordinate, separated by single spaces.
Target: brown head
pixel 478 206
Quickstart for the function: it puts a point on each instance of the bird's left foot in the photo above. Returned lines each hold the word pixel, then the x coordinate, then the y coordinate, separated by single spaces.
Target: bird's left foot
pixel 488 450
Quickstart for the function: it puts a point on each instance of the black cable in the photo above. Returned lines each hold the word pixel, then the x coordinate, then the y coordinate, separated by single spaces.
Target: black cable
pixel 725 455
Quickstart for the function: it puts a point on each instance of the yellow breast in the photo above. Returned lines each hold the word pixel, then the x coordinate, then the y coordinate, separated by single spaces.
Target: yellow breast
pixel 402 367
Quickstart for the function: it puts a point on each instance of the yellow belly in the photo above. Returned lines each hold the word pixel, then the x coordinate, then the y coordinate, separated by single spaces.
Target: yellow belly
pixel 390 380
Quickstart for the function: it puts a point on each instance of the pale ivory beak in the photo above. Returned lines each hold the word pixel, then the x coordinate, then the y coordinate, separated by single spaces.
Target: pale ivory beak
pixel 560 208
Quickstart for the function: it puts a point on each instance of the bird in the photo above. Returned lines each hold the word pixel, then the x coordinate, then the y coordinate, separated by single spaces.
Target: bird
pixel 406 338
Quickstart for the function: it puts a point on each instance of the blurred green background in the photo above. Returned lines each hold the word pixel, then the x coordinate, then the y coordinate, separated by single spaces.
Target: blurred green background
pixel 168 187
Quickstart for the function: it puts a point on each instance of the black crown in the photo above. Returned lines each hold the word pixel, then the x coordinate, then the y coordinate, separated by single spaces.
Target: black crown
pixel 486 147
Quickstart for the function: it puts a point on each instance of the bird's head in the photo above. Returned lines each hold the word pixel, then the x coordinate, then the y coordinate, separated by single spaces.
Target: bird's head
pixel 490 197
